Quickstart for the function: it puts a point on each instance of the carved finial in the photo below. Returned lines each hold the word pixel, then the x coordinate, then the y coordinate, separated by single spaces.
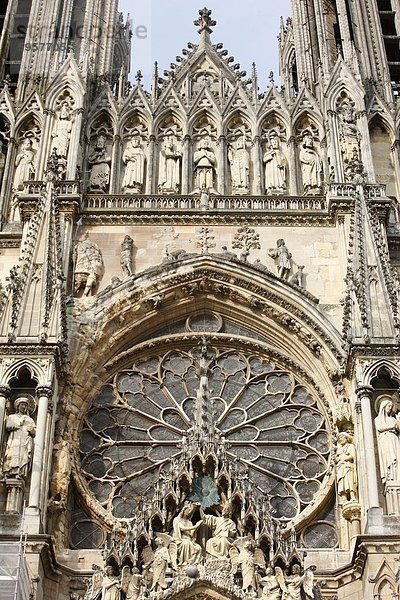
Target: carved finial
pixel 205 22
pixel 205 239
pixel 139 77
pixel 271 78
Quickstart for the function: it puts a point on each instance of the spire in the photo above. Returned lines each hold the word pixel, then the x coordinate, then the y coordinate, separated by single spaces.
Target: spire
pixel 205 23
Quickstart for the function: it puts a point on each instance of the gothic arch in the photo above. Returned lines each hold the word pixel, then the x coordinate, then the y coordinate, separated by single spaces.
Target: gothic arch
pixel 372 371
pixel 381 138
pixel 39 372
pixel 133 115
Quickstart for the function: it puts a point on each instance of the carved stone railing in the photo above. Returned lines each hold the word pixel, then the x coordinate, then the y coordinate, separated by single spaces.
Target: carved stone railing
pixel 63 188
pixel 105 203
pixel 348 190
pixel 373 191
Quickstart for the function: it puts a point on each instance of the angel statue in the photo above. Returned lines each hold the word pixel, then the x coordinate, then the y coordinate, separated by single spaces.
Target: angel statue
pixel 131 583
pixel 184 533
pixel 111 586
pixel 95 585
pixel 244 553
pixel 297 583
pixel 273 584
pixel 162 557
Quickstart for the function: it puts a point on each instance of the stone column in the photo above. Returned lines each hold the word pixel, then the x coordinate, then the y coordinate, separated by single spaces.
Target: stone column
pixel 4 395
pixel 364 396
pixel 257 186
pixel 44 394
pixel 187 176
pixel 151 183
pixel 352 514
pixel 293 168
pixel 222 166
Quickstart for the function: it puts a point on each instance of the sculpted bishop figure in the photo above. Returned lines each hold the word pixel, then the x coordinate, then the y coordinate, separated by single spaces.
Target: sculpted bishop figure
pixel 134 160
pixel 204 163
pixel 170 158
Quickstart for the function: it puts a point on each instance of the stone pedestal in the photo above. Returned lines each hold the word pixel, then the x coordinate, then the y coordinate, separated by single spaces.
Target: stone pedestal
pixel 392 495
pixel 352 514
pixel 15 495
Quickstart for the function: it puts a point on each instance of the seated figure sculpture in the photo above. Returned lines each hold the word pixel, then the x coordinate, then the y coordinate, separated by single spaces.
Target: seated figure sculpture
pixel 224 530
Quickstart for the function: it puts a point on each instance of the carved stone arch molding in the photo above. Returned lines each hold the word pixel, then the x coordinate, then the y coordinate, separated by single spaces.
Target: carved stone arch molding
pixel 41 370
pixel 243 335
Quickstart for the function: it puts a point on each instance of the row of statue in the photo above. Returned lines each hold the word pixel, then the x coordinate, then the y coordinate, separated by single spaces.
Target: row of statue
pixel 178 554
pixel 205 166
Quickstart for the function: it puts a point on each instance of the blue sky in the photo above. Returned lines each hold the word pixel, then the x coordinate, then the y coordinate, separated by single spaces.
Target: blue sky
pixel 247 28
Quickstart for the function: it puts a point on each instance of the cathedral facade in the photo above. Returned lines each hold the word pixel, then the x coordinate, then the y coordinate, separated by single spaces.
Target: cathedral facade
pixel 199 310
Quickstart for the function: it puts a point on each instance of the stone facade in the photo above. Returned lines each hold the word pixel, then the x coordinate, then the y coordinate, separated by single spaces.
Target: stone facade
pixel 199 311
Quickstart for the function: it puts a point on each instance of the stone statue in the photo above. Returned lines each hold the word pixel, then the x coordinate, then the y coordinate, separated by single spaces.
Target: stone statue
pixel 284 258
pixel 131 583
pixel 160 563
pixel 88 266
pixel 298 277
pixel 350 136
pixel 311 166
pixel 224 530
pixel 239 160
pixel 21 430
pixel 62 132
pixel 170 159
pixel 61 473
pixel 346 471
pixel 25 168
pixel 273 584
pixel 248 565
pixel 94 589
pixel 184 533
pixel 387 430
pixel 111 585
pixel 134 159
pixel 100 161
pixel 127 256
pixel 275 167
pixel 296 584
pixel 204 165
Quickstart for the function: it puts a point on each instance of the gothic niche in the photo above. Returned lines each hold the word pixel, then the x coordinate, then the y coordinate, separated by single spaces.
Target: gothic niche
pixel 239 141
pixel 275 157
pixel 213 455
pixel 99 155
pixel 311 165
pixel 349 135
pixel 134 144
pixel 170 156
pixel 382 155
pixel 204 155
pixel 62 129
pixel 4 143
pixel 27 143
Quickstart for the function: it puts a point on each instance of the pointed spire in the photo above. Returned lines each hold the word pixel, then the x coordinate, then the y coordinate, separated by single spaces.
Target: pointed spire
pixel 204 418
pixel 254 82
pixel 154 85
pixel 205 23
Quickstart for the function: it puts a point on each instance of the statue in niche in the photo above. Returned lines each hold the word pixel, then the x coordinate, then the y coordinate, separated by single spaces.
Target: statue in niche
pixel 100 161
pixel 275 167
pixel 160 563
pixel 311 165
pixel 204 165
pixel 283 256
pixel 184 534
pixel 127 256
pixel 299 586
pixel 25 164
pixel 134 159
pixel 224 532
pixel 21 430
pixel 88 267
pixel 239 160
pixel 350 137
pixel 111 585
pixel 170 159
pixel 273 584
pixel 346 471
pixel 62 132
pixel 387 427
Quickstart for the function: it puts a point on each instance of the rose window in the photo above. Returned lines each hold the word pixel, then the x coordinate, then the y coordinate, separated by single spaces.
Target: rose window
pixel 271 423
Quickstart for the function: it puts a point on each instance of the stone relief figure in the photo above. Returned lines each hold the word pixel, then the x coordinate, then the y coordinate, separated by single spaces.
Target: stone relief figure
pixel 247 562
pixel 387 427
pixel 350 136
pixel 204 165
pixel 95 585
pixel 160 563
pixel 283 256
pixel 298 584
pixel 273 584
pixel 61 473
pixel 224 532
pixel 346 471
pixel 62 131
pixel 131 583
pixel 311 165
pixel 134 159
pixel 298 277
pixel 111 585
pixel 100 161
pixel 239 160
pixel 184 534
pixel 21 430
pixel 275 167
pixel 88 266
pixel 25 164
pixel 170 161
pixel 127 256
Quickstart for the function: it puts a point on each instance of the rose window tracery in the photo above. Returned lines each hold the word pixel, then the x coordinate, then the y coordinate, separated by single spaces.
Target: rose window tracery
pixel 268 423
